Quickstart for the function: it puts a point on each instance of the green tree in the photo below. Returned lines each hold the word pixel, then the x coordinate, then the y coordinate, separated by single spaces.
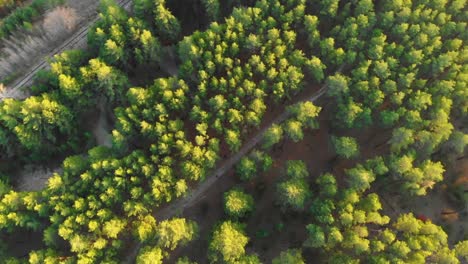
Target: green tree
pixel 185 260
pixel 272 136
pixel 294 130
pixel 290 256
pixel 306 113
pixel 246 168
pixel 228 242
pixel 461 249
pixel 238 203
pixel 150 255
pixel 360 178
pixel 167 25
pixel 233 140
pixel 329 7
pixel 296 169
pixel 346 147
pixel 293 193
pixel 176 231
pixel 212 9
pixel 43 121
pixel 337 85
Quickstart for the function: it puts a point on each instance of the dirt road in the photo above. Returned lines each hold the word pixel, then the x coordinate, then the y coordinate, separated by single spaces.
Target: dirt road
pixel 198 193
pixel 77 40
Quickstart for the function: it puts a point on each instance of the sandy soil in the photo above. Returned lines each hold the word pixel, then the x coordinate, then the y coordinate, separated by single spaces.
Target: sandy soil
pixel 102 128
pixel 33 178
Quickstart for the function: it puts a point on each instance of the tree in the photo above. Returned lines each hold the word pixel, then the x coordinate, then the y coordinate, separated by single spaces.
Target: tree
pixel 272 136
pixel 167 25
pixel 327 183
pixel 306 113
pixel 329 7
pixel 212 9
pixel 290 256
pixel 316 68
pixel 360 178
pixel 401 139
pixel 238 203
pixel 43 122
pixel 346 147
pixel 461 249
pixel 114 227
pixel 311 25
pixel 337 85
pixel 294 130
pixel 296 169
pixel 150 255
pixel 145 228
pixel 228 242
pixel 457 142
pixel 185 260
pixel 233 140
pixel 246 169
pixel 293 193
pixel 176 231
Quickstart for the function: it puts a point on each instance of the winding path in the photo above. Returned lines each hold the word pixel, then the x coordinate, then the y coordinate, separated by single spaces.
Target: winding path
pixel 77 40
pixel 200 192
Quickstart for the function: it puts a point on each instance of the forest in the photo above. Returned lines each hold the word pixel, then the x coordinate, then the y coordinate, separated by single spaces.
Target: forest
pixel 244 132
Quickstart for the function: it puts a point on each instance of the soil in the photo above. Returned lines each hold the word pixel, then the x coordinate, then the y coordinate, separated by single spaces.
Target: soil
pixel 102 128
pixel 33 178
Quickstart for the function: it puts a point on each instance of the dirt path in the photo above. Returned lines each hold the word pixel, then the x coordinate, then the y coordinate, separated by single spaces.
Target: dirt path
pixel 77 40
pixel 34 178
pixel 199 193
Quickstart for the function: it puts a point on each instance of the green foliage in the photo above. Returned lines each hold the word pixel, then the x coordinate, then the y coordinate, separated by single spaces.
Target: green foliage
pixel 21 210
pixel 185 260
pixel 294 130
pixel 399 62
pixel 346 147
pixel 360 178
pixel 246 169
pixel 273 135
pixel 37 123
pixel 348 226
pixel 238 203
pixel 166 24
pixel 150 255
pixel 417 178
pixel 212 9
pixel 228 243
pixel 305 113
pixel 253 164
pixel 461 249
pixel 122 40
pixel 296 169
pixel 174 232
pixel 293 193
pixel 290 256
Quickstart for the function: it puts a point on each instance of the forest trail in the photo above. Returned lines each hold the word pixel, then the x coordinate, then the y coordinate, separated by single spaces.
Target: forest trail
pixel 77 40
pixel 199 192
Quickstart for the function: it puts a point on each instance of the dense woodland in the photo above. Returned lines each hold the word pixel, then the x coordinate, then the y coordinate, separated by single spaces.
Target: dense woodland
pixel 396 67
